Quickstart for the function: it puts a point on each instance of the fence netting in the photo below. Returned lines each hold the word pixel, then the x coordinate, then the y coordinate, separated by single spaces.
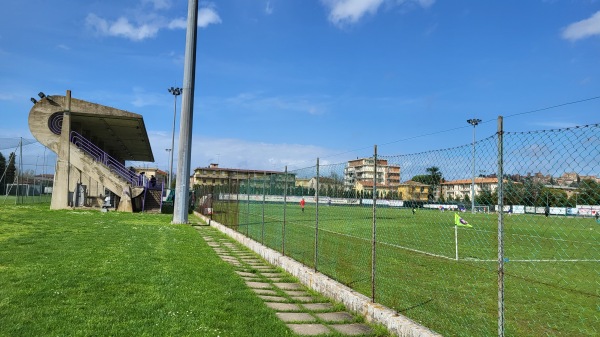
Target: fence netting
pixel 26 171
pixel 427 235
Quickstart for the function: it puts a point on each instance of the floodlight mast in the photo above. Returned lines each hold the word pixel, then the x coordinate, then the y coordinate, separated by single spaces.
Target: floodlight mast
pixel 176 92
pixel 474 122
pixel 181 203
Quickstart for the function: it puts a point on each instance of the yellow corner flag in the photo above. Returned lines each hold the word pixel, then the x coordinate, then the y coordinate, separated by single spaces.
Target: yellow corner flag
pixel 458 221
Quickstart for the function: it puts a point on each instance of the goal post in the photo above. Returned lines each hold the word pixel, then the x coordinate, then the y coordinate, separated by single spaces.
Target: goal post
pixel 481 209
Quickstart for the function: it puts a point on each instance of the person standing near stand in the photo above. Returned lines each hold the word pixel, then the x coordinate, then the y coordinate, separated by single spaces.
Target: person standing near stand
pixel 302 203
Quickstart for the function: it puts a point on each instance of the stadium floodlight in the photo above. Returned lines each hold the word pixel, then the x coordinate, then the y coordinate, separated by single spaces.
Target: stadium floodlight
pixel 176 92
pixel 474 122
pixel 33 100
pixel 169 165
pixel 41 94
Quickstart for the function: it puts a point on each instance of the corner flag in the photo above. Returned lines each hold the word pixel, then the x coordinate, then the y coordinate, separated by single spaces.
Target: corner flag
pixel 458 221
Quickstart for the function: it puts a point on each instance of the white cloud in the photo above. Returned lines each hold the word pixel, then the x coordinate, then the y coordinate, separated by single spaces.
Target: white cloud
pixel 238 153
pixel 122 28
pixel 6 97
pixel 148 26
pixel 260 103
pixel 582 29
pixel 207 16
pixel 350 11
pixel 180 23
pixel 426 3
pixel 269 8
pixel 344 12
pixel 158 4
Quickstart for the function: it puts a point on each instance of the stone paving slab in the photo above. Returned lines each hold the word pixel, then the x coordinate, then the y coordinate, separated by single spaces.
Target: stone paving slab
pixel 283 306
pixel 303 298
pixel 352 329
pixel 288 286
pixel 309 329
pixel 273 298
pixel 318 306
pixel 243 273
pixel 274 279
pixel 296 292
pixel 336 316
pixel 272 275
pixel 295 317
pixel 258 285
pixel 264 291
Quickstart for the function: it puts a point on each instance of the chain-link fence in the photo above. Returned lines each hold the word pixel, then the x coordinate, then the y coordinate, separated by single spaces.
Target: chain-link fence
pixel 26 171
pixel 497 237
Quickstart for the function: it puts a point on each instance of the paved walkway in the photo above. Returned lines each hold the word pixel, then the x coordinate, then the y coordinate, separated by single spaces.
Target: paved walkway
pixel 305 313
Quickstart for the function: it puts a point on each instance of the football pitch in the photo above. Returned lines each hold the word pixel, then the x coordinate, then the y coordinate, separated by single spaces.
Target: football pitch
pixel 551 264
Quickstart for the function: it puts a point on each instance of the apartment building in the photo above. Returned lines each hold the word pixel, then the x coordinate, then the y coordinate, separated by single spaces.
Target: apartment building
pixel 213 175
pixel 362 170
pixel 458 189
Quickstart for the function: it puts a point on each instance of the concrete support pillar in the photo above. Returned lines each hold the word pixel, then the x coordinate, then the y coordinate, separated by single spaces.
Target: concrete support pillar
pixel 60 192
pixel 125 204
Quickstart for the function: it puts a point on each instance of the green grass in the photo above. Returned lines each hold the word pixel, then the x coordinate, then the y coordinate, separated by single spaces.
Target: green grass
pixel 551 286
pixel 25 200
pixel 86 273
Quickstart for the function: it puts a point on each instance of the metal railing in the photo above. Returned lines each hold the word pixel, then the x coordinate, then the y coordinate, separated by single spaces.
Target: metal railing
pixel 104 158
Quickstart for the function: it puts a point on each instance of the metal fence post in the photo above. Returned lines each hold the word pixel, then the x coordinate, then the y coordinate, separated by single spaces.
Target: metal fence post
pixel 285 187
pixel 374 229
pixel 317 218
pixel 262 230
pixel 248 206
pixel 500 229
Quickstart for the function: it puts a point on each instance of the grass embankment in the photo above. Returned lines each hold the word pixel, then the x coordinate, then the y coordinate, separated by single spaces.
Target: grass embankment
pixel 86 273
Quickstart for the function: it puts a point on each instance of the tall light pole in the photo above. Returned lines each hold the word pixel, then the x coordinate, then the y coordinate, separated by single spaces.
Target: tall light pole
pixel 474 122
pixel 169 164
pixel 176 92
pixel 181 204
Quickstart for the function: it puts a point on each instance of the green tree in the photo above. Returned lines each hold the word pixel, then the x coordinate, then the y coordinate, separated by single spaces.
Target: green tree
pixel 589 192
pixel 11 171
pixel 485 197
pixel 434 178
pixel 514 193
pixel 2 169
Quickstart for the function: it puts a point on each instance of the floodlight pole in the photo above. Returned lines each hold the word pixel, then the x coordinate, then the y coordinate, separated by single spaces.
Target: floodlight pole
pixel 169 164
pixel 176 92
pixel 474 122
pixel 181 203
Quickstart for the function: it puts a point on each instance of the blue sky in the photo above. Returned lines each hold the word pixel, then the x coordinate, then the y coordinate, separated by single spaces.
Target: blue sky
pixel 282 82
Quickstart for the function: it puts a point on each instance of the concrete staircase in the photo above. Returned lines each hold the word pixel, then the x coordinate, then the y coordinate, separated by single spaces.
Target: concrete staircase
pixel 152 202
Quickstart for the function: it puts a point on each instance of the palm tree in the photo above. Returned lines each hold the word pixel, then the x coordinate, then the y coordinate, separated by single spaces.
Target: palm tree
pixel 435 179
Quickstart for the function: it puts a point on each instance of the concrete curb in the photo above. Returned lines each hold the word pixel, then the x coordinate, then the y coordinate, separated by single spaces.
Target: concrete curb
pixel 359 304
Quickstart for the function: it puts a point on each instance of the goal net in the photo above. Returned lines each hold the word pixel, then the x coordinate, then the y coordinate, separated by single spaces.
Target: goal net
pixel 481 209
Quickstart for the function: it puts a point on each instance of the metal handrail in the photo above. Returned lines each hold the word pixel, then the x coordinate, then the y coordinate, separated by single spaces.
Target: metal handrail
pixel 104 158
